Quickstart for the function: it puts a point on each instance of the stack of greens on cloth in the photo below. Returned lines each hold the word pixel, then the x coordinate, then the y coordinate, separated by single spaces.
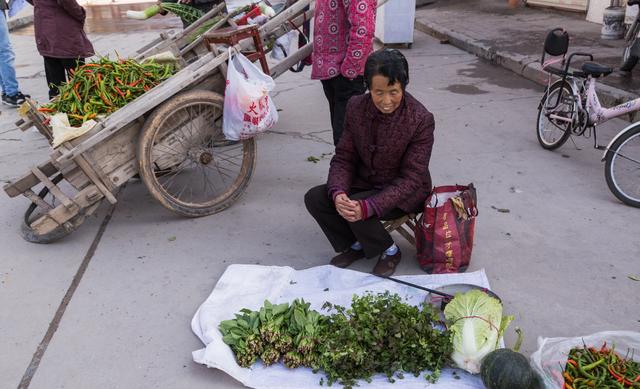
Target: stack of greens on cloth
pixel 104 86
pixel 380 334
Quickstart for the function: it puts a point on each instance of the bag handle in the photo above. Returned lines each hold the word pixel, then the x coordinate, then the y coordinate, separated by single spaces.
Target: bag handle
pixel 467 193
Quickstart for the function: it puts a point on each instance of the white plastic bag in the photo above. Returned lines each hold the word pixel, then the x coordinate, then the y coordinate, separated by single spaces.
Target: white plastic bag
pixel 551 357
pixel 63 131
pixel 282 47
pixel 248 108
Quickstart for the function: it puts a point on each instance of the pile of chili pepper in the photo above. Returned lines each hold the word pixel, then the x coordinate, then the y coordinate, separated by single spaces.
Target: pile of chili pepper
pixel 602 368
pixel 102 87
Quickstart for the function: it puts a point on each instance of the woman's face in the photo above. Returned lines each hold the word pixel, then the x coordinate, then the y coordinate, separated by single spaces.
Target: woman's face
pixel 385 97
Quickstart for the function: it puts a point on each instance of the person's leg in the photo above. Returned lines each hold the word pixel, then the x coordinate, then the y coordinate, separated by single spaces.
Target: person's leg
pixel 70 63
pixel 329 93
pixel 344 89
pixel 7 58
pixel 370 232
pixel 321 207
pixel 55 74
pixel 376 241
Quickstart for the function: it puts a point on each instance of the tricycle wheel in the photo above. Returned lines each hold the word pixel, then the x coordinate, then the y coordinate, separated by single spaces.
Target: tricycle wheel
pixel 185 160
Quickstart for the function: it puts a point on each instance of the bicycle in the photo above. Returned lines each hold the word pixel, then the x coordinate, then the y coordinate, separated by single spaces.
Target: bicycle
pixel 570 106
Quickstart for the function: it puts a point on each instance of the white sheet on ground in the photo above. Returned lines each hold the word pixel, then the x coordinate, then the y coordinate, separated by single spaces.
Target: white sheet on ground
pixel 247 286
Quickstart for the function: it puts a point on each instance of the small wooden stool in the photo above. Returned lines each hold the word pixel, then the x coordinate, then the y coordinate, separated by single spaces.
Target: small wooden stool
pixel 233 35
pixel 399 225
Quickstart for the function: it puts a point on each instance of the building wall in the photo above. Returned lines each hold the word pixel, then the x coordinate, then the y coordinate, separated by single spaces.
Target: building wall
pixel 573 5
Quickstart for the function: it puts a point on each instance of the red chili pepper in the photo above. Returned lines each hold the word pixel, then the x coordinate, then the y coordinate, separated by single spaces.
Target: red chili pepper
pixel 119 81
pixel 603 348
pixel 45 109
pixel 107 102
pixel 567 377
pixel 134 83
pixel 571 361
pixel 614 374
pixel 119 91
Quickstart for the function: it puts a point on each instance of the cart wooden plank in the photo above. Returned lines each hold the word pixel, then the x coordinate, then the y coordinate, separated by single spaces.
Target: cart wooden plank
pixel 53 188
pixel 93 176
pixel 85 199
pixel 29 180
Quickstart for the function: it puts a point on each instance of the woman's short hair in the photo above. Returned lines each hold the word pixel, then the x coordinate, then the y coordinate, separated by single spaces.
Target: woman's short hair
pixel 389 63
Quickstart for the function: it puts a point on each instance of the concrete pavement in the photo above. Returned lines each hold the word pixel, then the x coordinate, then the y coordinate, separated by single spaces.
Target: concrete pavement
pixel 559 259
pixel 513 38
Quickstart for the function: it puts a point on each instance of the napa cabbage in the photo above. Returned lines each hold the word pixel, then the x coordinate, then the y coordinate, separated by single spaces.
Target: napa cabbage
pixel 477 324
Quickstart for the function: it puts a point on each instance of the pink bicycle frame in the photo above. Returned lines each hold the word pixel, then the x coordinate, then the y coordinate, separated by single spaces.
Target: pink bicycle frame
pixel 598 114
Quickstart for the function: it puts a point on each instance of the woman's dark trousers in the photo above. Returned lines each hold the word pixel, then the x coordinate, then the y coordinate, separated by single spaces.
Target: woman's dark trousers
pixel 338 91
pixel 341 233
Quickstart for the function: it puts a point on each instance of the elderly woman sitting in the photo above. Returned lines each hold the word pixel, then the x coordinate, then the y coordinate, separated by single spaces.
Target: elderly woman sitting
pixel 380 170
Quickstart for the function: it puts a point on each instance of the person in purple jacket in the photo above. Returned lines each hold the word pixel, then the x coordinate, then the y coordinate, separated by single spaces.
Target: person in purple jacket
pixel 60 38
pixel 380 170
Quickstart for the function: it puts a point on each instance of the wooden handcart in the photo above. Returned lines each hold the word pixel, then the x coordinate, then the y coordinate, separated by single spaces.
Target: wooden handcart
pixel 171 135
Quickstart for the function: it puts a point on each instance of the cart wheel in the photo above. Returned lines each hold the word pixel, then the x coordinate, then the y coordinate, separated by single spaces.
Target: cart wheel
pixel 185 160
pixel 34 213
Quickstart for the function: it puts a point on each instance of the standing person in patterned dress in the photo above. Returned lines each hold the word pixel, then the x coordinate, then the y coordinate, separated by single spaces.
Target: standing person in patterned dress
pixel 343 39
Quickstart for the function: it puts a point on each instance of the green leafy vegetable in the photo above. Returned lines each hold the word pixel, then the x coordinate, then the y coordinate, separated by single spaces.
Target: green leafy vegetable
pixel 185 12
pixel 382 334
pixel 379 334
pixel 144 14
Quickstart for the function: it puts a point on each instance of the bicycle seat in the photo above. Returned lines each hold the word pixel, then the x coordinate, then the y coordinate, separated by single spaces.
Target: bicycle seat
pixel 596 70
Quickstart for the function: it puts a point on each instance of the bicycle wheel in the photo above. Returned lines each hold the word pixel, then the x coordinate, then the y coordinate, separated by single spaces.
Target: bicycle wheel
pixel 556 117
pixel 628 59
pixel 185 160
pixel 622 167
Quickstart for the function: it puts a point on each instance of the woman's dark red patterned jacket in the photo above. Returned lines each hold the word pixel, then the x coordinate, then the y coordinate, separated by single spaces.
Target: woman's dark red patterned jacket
pixel 389 152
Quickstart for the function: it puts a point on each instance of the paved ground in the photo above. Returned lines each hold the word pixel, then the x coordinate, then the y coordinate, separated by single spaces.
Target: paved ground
pixel 514 38
pixel 559 259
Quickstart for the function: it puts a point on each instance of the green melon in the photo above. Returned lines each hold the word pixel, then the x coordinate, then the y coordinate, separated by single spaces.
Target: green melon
pixel 508 369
